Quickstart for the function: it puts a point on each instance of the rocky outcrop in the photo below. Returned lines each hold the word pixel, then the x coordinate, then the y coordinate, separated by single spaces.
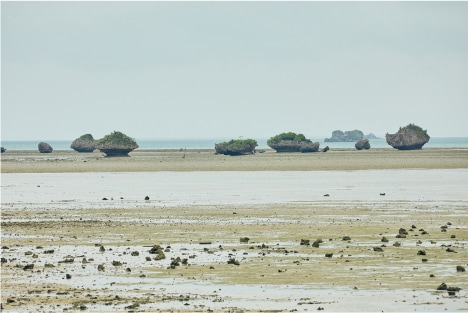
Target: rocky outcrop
pixel 362 144
pixel 3 149
pixel 347 136
pixel 44 147
pixel 236 147
pixel 84 143
pixel 291 142
pixel 295 146
pixel 411 137
pixel 116 144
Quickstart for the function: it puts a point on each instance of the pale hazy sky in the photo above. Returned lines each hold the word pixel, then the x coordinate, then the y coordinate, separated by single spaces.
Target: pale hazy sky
pixel 231 69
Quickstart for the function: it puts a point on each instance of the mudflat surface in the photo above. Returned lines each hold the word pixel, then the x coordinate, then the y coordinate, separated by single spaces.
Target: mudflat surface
pixel 225 240
pixel 207 160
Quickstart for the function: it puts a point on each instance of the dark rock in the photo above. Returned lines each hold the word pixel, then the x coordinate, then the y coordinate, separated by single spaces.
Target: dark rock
pixel 28 267
pixel 44 147
pixel 68 276
pixel 421 252
pixel 3 149
pixel 362 144
pixel 460 268
pixel 84 143
pixel 147 198
pixel 384 239
pixel 411 137
pixel 244 239
pixel 346 238
pixel 305 242
pixel 326 149
pixel 135 253
pixel 378 249
pixel 100 268
pixel 233 261
pixel 347 136
pixel 442 286
pixel 402 231
pixel 328 255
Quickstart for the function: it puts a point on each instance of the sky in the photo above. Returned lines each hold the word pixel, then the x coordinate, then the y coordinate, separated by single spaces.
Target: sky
pixel 232 69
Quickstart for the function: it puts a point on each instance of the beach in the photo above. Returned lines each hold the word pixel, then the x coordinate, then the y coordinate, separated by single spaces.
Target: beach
pixel 191 231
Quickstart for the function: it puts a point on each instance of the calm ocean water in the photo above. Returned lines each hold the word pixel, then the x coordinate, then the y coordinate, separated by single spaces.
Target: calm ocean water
pixel 440 142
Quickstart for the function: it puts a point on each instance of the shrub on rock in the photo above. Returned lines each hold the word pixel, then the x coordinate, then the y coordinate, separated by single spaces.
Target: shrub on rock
pixel 44 147
pixel 84 143
pixel 236 147
pixel 116 144
pixel 292 142
pixel 410 137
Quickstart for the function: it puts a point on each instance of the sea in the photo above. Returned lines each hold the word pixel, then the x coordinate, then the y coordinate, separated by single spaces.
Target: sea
pixel 209 143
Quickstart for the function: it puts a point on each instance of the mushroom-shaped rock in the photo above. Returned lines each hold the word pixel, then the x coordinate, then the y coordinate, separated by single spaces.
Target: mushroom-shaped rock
pixel 236 147
pixel 362 144
pixel 44 147
pixel 291 142
pixel 84 143
pixel 116 144
pixel 410 137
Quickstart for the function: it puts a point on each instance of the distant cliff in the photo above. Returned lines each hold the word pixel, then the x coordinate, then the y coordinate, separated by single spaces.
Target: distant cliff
pixel 347 136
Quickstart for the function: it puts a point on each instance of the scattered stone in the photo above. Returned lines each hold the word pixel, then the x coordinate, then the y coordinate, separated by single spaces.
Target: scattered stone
pixel 102 249
pixel 378 249
pixel 28 267
pixel 135 253
pixel 233 261
pixel 116 263
pixel 421 252
pixel 346 238
pixel 328 255
pixel 305 242
pixel 100 267
pixel 147 198
pixel 68 276
pixel 451 250
pixel 442 286
pixel 460 268
pixel 384 239
pixel 244 239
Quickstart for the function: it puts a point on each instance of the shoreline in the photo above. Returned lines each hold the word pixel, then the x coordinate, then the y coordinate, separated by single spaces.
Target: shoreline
pixel 206 160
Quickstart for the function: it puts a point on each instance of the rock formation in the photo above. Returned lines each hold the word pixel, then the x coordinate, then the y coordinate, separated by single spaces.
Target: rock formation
pixel 236 147
pixel 3 149
pixel 291 142
pixel 347 136
pixel 116 144
pixel 44 147
pixel 410 137
pixel 84 143
pixel 362 144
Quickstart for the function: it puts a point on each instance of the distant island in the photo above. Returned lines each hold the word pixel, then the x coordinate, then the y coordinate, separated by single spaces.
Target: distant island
pixel 371 136
pixel 347 136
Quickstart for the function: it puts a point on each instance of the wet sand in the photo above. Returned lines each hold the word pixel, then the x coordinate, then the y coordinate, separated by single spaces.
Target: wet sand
pixel 207 160
pixel 59 221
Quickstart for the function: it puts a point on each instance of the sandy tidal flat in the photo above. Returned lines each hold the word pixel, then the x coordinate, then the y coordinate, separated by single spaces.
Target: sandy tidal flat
pixel 231 240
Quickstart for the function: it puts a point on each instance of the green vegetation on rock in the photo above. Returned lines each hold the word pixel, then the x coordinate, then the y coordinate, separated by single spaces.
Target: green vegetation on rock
pixel 236 147
pixel 292 142
pixel 422 133
pixel 116 143
pixel 288 136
